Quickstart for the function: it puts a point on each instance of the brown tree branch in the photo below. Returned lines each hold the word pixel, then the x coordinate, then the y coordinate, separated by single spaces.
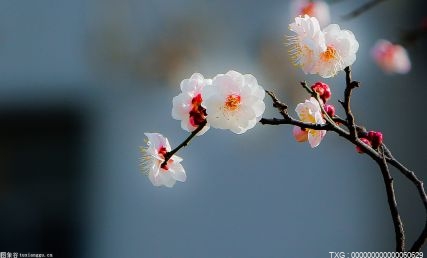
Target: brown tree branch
pixel 367 6
pixel 381 158
pixel 392 203
pixel 287 119
pixel 281 107
pixel 350 85
pixel 169 154
pixel 421 240
pixel 292 121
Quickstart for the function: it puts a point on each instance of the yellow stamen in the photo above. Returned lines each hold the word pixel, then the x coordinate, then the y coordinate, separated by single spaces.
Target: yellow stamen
pixel 329 55
pixel 232 102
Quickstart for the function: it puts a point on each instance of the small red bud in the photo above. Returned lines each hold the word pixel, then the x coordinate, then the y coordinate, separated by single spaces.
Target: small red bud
pixel 376 138
pixel 364 140
pixel 327 95
pixel 330 110
pixel 323 90
pixel 318 87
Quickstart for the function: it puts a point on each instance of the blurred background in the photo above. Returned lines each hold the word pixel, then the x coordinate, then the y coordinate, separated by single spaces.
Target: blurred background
pixel 81 81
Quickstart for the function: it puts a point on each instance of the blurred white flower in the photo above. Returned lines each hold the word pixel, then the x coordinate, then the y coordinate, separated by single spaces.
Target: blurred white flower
pixel 391 58
pixel 310 112
pixel 341 48
pixel 307 45
pixel 234 101
pixel 187 106
pixel 152 157
pixel 318 9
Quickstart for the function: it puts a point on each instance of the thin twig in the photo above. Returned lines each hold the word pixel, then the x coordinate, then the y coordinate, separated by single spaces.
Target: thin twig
pixel 421 240
pixel 281 107
pixel 292 121
pixel 392 203
pixel 287 119
pixel 169 154
pixel 308 89
pixel 362 9
pixel 316 96
pixel 350 85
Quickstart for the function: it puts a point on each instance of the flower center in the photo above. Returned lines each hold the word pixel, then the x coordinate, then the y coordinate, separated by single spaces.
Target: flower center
pixel 308 9
pixel 308 117
pixel 329 54
pixel 232 102
pixel 197 113
pixel 389 54
pixel 197 101
pixel 162 152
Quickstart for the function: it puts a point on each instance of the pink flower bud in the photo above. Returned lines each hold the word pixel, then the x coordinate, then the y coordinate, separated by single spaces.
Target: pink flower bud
pixel 318 87
pixel 323 90
pixel 300 135
pixel 364 140
pixel 376 138
pixel 330 110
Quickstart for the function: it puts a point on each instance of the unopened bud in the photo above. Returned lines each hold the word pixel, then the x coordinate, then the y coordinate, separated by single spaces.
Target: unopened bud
pixel 323 90
pixel 376 138
pixel 330 110
pixel 365 141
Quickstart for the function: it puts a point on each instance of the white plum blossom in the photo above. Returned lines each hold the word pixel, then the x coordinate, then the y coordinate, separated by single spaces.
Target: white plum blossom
pixel 152 157
pixel 324 52
pixel 391 58
pixel 318 9
pixel 234 101
pixel 307 45
pixel 310 112
pixel 341 48
pixel 187 106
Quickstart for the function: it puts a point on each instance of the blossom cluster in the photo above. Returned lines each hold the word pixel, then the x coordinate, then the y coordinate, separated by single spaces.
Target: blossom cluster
pixel 323 52
pixel 311 112
pixel 372 138
pixel 235 101
pixel 230 101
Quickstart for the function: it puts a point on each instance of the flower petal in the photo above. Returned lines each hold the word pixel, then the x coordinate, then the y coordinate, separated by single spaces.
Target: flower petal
pixel 157 141
pixel 178 172
pixel 166 179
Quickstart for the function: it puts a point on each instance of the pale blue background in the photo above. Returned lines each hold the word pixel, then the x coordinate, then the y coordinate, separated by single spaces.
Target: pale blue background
pixel 259 194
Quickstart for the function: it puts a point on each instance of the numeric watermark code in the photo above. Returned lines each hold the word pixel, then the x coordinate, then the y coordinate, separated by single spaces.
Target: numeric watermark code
pixel 376 255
